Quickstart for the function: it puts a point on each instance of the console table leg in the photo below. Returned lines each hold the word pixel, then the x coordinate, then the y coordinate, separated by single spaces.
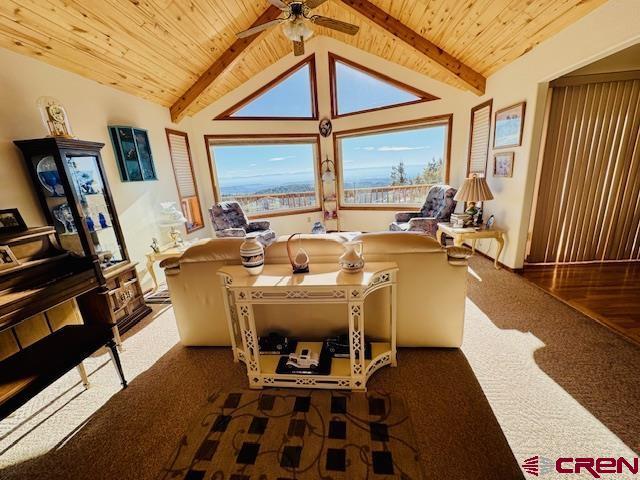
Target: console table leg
pixel 83 375
pixel 357 340
pixel 115 358
pixel 250 343
pixel 232 321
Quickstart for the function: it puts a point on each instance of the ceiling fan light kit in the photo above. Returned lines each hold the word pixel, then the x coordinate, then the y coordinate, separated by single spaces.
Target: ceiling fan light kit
pixel 296 28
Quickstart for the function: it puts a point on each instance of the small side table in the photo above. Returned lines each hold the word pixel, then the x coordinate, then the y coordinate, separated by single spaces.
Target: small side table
pixel 166 251
pixel 461 234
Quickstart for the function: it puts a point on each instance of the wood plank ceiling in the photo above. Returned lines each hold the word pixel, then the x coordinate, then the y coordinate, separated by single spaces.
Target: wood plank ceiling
pixel 157 49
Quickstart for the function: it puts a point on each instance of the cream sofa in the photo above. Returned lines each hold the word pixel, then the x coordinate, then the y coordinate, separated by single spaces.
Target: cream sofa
pixel 430 299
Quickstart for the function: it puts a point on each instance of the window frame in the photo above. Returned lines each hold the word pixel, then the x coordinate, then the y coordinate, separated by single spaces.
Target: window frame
pixel 311 61
pixel 446 119
pixel 267 138
pixel 488 103
pixel 168 132
pixel 333 87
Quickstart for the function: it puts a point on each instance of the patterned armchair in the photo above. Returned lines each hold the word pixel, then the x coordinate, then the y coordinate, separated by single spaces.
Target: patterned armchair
pixel 229 220
pixel 436 209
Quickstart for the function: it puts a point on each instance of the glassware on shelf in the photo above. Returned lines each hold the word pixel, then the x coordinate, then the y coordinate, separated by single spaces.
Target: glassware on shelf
pixel 96 210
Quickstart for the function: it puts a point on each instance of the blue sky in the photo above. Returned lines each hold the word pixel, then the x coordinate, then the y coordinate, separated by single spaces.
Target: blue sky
pixel 249 168
pixel 255 167
pixel 359 91
pixel 289 98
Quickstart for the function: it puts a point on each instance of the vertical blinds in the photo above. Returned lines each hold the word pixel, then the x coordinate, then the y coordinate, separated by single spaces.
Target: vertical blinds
pixel 479 140
pixel 181 159
pixel 588 205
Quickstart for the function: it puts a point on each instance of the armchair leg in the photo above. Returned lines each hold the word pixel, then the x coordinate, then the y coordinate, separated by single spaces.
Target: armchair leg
pixel 115 358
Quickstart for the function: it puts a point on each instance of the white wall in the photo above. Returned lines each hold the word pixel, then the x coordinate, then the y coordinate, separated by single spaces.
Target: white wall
pixel 608 29
pixel 452 101
pixel 91 107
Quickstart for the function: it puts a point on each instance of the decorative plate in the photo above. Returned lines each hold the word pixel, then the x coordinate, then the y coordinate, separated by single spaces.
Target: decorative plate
pixel 49 177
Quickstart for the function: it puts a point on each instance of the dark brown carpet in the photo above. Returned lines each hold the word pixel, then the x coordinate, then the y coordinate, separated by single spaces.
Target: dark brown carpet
pixel 596 366
pixel 135 433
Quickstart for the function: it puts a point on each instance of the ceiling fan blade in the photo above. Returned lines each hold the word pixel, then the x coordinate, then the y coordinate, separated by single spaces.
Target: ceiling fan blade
pixel 259 28
pixel 333 24
pixel 298 48
pixel 280 4
pixel 313 3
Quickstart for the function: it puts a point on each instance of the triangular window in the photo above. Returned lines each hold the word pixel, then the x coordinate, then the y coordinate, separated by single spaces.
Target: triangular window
pixel 357 89
pixel 292 95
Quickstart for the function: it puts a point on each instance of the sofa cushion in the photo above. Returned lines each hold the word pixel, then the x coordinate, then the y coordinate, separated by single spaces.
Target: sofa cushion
pixel 393 243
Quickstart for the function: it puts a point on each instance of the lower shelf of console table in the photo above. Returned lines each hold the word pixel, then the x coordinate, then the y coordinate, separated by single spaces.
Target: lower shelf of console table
pixel 324 284
pixel 338 378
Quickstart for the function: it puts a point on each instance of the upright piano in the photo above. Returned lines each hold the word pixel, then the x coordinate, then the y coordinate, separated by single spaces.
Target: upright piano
pixel 44 279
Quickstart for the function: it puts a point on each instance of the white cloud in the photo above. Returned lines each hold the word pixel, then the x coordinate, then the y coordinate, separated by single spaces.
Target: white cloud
pixel 280 159
pixel 399 149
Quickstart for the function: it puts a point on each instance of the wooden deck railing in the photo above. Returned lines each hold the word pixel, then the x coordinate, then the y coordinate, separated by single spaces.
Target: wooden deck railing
pixel 274 202
pixel 397 194
pixel 269 202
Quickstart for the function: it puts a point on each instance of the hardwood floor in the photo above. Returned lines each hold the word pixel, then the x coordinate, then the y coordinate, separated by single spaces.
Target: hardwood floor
pixel 608 293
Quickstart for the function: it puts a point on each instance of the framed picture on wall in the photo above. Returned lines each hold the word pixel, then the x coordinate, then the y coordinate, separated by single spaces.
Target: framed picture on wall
pixel 503 164
pixel 508 126
pixel 11 221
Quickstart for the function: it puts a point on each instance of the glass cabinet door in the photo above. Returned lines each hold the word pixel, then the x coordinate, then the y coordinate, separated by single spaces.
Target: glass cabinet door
pixel 97 212
pixel 58 200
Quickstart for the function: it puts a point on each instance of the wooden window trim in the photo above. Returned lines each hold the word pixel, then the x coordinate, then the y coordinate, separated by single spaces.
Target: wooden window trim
pixel 288 138
pixel 488 103
pixel 311 61
pixel 169 132
pixel 333 87
pixel 446 119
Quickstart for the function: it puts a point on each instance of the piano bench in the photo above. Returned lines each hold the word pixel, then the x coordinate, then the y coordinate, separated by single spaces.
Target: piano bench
pixel 31 370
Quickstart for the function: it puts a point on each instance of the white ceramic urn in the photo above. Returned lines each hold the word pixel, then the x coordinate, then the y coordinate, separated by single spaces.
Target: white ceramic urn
pixel 252 255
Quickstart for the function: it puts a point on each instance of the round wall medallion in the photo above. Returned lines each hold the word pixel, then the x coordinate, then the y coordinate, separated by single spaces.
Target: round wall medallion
pixel 325 127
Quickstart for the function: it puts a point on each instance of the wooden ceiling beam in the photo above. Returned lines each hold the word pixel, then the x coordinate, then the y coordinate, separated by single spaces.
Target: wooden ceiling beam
pixel 179 108
pixel 475 81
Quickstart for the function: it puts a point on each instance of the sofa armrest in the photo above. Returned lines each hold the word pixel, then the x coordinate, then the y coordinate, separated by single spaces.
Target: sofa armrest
pixel 428 225
pixel 258 226
pixel 404 217
pixel 231 232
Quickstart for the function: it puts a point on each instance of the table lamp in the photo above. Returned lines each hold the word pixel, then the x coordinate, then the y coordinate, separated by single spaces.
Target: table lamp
pixel 474 189
pixel 171 217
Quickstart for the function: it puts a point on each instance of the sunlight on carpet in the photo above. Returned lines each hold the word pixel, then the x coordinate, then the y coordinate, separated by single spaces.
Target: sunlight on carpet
pixel 536 414
pixel 48 420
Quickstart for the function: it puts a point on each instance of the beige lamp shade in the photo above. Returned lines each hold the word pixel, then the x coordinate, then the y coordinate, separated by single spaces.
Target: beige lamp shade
pixel 474 189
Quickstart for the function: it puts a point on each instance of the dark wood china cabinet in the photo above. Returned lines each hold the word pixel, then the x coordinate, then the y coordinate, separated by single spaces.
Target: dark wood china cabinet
pixel 73 190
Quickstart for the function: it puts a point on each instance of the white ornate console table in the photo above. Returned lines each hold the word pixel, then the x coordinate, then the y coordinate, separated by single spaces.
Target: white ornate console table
pixel 325 283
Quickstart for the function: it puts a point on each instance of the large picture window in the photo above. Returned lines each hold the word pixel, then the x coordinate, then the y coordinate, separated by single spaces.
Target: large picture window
pixel 393 165
pixel 266 175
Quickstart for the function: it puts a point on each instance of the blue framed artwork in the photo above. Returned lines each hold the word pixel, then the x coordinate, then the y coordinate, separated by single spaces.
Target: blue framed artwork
pixel 133 153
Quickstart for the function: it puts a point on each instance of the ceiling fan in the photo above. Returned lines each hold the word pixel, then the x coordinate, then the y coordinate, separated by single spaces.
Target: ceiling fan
pixel 297 15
